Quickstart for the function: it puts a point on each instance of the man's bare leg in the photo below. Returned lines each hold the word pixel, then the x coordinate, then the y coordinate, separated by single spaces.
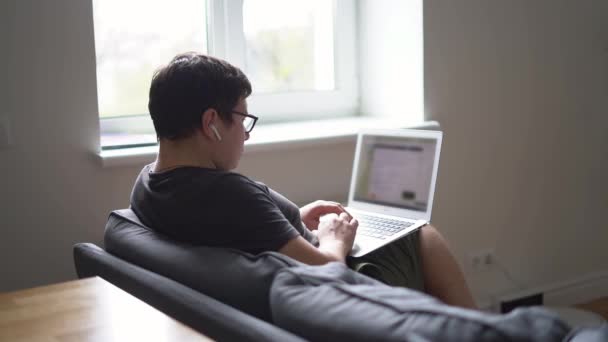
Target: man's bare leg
pixel 443 277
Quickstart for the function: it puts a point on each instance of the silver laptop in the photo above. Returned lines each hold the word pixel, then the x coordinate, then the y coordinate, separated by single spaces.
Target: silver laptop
pixel 392 185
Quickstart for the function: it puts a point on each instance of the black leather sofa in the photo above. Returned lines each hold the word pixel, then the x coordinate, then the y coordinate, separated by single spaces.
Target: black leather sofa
pixel 235 296
pixel 201 312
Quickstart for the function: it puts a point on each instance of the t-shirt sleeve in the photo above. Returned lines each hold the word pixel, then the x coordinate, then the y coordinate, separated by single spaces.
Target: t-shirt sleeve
pixel 292 213
pixel 251 220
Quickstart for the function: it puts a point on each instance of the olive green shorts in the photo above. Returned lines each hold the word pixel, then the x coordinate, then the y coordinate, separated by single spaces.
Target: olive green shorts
pixel 396 264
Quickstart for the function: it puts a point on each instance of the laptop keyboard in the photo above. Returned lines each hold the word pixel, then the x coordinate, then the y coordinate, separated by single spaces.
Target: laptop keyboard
pixel 379 227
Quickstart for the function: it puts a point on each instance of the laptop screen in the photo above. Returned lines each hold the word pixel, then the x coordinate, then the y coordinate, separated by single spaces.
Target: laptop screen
pixel 395 171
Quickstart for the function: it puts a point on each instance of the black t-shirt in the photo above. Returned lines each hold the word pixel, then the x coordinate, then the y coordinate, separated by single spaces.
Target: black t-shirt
pixel 216 208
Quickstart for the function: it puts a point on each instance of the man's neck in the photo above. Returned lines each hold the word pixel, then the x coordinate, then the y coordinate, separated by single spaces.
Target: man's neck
pixel 182 152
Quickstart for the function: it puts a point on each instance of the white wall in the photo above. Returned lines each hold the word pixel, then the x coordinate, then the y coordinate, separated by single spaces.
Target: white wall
pixel 391 59
pixel 5 7
pixel 519 87
pixel 521 90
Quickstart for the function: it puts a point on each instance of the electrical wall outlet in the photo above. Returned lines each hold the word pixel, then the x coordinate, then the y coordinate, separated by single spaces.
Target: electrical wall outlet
pixel 482 260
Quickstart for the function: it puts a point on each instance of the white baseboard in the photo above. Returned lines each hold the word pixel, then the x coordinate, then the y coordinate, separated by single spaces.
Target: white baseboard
pixel 574 291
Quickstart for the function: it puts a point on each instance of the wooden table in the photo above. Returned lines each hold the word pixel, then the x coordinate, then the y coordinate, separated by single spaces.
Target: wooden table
pixel 85 310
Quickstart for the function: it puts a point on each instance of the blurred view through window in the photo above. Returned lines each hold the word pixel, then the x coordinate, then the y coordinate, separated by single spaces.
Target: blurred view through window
pixel 132 39
pixel 289 44
pixel 284 46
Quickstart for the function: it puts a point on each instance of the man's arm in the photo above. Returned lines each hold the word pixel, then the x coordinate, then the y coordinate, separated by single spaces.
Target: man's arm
pixel 301 250
pixel 336 236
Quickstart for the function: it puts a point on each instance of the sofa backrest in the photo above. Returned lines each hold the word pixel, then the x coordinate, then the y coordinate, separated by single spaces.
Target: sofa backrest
pixel 204 314
pixel 236 278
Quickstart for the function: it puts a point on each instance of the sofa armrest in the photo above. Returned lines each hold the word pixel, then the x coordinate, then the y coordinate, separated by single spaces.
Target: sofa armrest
pixel 200 312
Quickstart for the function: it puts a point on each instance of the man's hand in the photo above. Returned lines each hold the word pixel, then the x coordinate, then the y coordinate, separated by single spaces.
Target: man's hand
pixel 336 234
pixel 311 213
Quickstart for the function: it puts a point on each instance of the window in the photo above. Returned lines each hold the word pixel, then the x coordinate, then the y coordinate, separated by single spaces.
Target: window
pixel 287 48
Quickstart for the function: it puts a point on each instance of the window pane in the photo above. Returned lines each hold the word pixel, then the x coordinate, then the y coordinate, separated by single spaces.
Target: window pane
pixel 132 39
pixel 290 44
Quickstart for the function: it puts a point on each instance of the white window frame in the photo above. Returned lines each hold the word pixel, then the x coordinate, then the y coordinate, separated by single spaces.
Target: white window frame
pixel 225 39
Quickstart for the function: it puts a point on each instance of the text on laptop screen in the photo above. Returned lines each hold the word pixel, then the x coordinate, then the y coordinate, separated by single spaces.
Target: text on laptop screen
pixel 395 171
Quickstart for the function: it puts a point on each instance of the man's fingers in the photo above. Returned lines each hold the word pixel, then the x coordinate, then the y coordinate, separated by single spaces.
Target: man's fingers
pixel 332 209
pixel 329 207
pixel 337 206
pixel 327 217
pixel 345 215
pixel 349 214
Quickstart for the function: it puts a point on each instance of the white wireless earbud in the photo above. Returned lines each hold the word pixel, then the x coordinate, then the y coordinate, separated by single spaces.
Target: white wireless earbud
pixel 217 134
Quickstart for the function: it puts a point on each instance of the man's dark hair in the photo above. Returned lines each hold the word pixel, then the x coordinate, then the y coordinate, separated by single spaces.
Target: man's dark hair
pixel 189 85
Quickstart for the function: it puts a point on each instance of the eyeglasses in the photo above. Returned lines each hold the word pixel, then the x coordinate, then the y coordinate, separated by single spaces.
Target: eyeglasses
pixel 249 121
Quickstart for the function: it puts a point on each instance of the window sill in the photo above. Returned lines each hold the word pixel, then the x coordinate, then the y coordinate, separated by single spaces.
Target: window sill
pixel 275 137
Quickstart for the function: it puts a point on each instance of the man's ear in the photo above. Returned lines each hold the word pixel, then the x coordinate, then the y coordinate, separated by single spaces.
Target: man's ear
pixel 209 119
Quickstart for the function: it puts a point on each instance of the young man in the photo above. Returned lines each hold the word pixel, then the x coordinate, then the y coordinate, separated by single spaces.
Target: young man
pixel 199 109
